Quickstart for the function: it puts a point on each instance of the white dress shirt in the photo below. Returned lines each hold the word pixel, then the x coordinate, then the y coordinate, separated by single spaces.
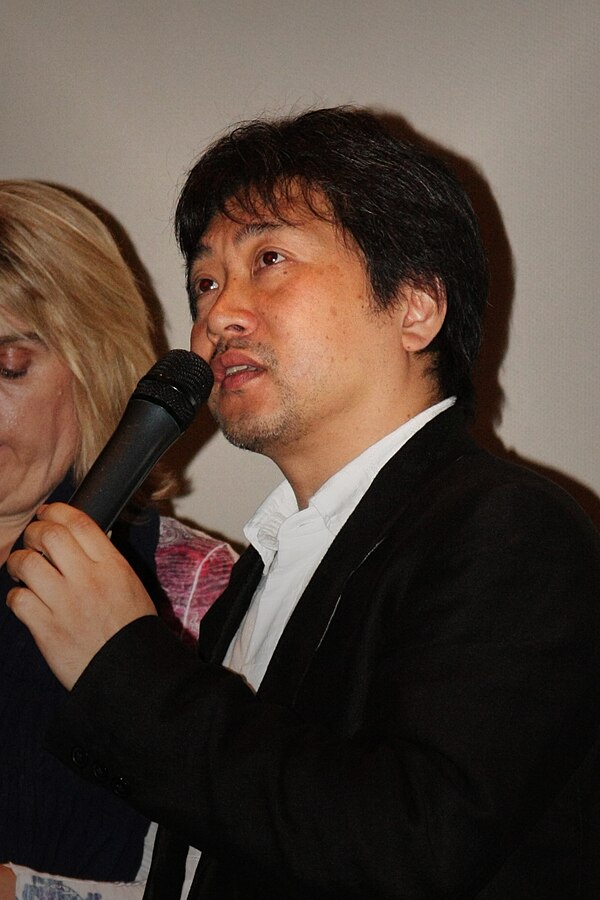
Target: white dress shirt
pixel 292 542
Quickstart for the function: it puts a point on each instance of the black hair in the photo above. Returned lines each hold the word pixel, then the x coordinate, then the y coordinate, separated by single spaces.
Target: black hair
pixel 401 205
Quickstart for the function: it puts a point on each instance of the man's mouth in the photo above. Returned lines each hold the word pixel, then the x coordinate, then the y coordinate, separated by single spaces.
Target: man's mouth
pixel 238 375
pixel 233 370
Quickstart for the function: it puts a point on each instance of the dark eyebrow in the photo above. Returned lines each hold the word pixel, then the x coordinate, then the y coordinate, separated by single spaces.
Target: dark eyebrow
pixel 245 231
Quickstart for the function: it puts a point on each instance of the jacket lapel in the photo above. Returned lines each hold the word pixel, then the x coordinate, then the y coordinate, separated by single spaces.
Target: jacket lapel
pixel 399 484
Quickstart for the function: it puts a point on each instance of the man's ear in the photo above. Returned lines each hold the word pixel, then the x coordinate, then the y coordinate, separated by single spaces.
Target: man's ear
pixel 422 313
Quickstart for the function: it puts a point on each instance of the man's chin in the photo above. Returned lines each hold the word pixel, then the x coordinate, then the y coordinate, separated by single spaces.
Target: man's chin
pixel 247 435
pixel 254 446
pixel 244 441
pixel 253 433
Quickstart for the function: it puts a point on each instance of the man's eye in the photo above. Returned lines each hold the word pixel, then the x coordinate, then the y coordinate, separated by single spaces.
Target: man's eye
pixel 204 285
pixel 270 258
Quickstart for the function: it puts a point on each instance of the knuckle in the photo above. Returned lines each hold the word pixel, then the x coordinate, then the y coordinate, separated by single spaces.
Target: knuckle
pixel 31 533
pixel 83 524
pixel 63 514
pixel 48 536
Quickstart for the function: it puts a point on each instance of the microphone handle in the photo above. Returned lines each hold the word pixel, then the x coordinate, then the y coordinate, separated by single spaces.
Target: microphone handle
pixel 123 465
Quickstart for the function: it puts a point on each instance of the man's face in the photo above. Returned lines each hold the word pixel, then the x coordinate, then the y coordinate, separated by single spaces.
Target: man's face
pixel 300 356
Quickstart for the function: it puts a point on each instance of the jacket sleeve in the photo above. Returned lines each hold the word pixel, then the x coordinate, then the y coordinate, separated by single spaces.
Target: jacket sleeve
pixel 475 701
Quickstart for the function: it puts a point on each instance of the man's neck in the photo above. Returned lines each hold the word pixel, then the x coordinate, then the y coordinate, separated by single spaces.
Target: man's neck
pixel 321 458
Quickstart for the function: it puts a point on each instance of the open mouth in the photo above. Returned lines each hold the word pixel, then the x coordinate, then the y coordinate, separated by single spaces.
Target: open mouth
pixel 234 370
pixel 236 376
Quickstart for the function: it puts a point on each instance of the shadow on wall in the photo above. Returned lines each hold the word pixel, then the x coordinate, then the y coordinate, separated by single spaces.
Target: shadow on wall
pixel 490 396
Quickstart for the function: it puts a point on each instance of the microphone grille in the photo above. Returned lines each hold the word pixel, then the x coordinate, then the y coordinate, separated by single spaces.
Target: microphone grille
pixel 180 381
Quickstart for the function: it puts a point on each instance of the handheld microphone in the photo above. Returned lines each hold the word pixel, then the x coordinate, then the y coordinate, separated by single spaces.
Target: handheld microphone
pixel 162 406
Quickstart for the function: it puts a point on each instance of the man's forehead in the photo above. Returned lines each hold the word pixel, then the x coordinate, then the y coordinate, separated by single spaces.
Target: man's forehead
pixel 252 215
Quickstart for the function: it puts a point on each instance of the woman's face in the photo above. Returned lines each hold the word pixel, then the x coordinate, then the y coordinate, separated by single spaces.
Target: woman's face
pixel 38 424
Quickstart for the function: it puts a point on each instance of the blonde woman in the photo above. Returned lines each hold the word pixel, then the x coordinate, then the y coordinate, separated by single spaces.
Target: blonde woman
pixel 75 337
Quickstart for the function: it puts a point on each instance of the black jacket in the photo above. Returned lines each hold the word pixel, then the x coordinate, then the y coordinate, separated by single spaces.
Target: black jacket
pixel 427 726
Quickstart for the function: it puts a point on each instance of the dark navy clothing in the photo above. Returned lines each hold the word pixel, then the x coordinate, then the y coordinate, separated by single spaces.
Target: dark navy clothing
pixel 50 819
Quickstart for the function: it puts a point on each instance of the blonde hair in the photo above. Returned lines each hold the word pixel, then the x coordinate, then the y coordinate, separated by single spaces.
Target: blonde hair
pixel 62 276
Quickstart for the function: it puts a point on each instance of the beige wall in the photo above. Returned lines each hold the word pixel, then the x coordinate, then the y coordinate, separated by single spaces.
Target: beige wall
pixel 116 98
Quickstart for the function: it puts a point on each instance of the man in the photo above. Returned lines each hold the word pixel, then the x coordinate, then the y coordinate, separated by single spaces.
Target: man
pixel 416 623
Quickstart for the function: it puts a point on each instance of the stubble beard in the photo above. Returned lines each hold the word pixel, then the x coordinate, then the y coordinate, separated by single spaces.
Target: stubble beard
pixel 252 431
pixel 263 434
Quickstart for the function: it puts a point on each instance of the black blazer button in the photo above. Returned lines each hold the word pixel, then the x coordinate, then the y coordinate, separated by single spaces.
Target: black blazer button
pixel 120 786
pixel 99 772
pixel 80 757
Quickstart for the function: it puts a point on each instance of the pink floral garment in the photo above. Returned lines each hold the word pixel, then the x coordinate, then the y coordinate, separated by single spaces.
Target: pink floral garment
pixel 193 569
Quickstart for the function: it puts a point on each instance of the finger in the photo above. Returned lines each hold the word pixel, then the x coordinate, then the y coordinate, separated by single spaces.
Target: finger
pixel 63 655
pixel 58 520
pixel 36 573
pixel 56 545
pixel 65 573
pixel 28 607
pixel 52 541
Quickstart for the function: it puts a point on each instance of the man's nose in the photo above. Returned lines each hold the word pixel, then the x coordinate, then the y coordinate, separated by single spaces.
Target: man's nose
pixel 232 314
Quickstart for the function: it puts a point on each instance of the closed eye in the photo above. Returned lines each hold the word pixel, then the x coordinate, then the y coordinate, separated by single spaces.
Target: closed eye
pixel 15 359
pixel 11 374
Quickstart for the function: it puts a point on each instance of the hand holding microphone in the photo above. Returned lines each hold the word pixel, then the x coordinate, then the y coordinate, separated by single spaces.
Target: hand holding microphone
pixel 81 591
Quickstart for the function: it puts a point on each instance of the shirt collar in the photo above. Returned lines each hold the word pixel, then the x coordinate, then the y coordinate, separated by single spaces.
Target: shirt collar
pixel 338 497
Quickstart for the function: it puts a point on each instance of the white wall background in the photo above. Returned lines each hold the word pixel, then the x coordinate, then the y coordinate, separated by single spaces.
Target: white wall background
pixel 116 98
